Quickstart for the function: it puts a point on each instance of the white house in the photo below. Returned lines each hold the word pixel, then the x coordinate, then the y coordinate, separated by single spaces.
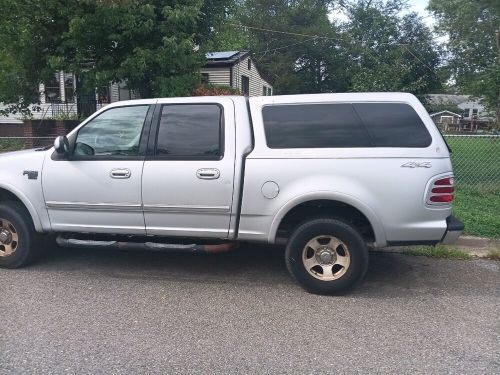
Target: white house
pixel 471 108
pixel 58 99
pixel 238 70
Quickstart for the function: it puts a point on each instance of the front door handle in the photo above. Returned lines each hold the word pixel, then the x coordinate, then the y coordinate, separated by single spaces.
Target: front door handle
pixel 208 173
pixel 120 173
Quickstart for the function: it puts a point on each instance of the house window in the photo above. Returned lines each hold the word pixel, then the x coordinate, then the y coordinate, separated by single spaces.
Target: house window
pixel 475 112
pixel 466 112
pixel 123 91
pixel 249 64
pixel 204 78
pixel 269 92
pixel 69 87
pixel 245 85
pixel 53 89
pixel 264 90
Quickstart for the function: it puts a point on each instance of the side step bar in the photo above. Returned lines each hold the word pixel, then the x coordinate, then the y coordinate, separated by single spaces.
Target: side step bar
pixel 151 246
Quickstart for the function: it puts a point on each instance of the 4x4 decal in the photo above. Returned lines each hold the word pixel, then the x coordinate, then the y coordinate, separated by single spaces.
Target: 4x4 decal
pixel 414 164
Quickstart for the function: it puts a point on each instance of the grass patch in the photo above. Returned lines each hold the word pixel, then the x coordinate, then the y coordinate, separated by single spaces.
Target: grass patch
pixel 479 209
pixel 438 251
pixel 476 161
pixel 11 145
pixel 494 254
pixel 476 165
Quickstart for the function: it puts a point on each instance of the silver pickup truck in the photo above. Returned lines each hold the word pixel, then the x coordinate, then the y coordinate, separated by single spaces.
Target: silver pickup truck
pixel 327 175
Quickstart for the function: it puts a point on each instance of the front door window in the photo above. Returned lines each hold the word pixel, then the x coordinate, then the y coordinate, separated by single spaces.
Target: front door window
pixel 115 132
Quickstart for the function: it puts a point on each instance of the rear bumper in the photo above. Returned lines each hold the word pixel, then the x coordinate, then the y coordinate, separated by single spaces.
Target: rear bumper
pixel 454 229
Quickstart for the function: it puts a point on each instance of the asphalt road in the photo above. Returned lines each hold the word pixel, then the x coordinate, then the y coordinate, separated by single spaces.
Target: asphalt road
pixel 111 312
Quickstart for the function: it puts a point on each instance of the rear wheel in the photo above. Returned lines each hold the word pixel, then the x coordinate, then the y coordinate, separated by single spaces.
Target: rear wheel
pixel 18 245
pixel 327 256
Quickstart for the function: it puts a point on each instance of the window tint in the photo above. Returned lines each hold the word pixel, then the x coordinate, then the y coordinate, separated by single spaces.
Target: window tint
pixel 344 125
pixel 114 132
pixel 192 131
pixel 393 125
pixel 313 126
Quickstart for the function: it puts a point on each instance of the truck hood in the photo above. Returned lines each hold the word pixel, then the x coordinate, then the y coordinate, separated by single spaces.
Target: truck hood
pixel 13 162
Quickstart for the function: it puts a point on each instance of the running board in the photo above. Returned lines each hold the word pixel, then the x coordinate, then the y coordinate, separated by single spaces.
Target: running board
pixel 151 246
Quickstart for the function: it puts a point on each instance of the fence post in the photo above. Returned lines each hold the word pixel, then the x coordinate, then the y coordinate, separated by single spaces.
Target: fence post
pixel 28 133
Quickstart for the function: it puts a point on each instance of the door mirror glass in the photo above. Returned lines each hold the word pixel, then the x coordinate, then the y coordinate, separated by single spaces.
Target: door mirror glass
pixel 61 145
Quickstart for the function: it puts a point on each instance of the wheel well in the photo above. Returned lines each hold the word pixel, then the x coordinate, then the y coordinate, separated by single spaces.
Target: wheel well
pixel 6 195
pixel 336 209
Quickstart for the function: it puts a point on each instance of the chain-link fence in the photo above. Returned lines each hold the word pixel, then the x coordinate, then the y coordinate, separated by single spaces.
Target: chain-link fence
pixel 476 158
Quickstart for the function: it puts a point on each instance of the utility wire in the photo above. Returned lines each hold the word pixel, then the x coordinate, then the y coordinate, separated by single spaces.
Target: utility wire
pixel 314 37
pixel 281 32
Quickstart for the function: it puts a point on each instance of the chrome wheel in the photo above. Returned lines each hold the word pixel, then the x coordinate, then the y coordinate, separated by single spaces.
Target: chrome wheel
pixel 9 239
pixel 326 258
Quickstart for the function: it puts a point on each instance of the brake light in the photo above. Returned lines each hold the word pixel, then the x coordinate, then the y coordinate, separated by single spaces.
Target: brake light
pixel 448 189
pixel 441 191
pixel 441 198
pixel 445 181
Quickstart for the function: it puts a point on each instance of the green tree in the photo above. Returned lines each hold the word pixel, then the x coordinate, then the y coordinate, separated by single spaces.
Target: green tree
pixel 473 30
pixel 306 56
pixel 391 51
pixel 153 45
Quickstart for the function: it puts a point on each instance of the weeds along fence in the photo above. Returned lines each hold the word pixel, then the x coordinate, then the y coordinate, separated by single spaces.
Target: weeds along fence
pixel 476 158
pixel 8 144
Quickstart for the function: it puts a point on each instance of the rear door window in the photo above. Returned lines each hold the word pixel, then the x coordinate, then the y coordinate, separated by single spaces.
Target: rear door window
pixel 190 131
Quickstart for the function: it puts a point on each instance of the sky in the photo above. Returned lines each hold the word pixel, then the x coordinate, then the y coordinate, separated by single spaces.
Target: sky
pixel 419 7
pixel 414 5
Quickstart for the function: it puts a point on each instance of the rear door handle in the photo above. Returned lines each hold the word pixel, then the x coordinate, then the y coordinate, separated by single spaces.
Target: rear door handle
pixel 120 173
pixel 208 173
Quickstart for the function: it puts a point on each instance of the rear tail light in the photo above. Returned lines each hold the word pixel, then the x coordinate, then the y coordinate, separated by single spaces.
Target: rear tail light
pixel 441 191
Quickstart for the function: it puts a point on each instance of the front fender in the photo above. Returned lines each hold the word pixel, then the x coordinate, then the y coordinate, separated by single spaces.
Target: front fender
pixel 27 203
pixel 378 229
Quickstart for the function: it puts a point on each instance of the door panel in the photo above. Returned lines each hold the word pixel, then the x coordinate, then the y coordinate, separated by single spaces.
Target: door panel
pixel 82 196
pixel 183 197
pixel 98 188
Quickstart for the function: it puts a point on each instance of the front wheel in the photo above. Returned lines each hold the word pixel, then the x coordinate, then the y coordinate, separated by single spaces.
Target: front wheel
pixel 326 256
pixel 18 239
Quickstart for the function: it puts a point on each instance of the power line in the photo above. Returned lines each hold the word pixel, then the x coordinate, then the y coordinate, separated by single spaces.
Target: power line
pixel 315 37
pixel 283 47
pixel 281 32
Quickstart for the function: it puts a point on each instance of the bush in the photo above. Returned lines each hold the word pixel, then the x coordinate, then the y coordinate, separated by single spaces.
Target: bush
pixel 214 90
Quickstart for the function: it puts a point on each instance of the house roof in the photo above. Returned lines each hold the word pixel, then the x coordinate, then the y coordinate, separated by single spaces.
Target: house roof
pixel 448 112
pixel 225 58
pixel 221 55
pixel 448 99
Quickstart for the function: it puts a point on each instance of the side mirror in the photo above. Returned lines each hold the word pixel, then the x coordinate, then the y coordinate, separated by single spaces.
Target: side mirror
pixel 61 145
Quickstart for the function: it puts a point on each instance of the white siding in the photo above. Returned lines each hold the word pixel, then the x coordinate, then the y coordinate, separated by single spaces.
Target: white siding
pixel 470 105
pixel 218 76
pixel 114 95
pixel 256 81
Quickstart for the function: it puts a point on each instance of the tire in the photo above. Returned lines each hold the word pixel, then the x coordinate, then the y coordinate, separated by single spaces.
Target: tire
pixel 19 243
pixel 326 256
